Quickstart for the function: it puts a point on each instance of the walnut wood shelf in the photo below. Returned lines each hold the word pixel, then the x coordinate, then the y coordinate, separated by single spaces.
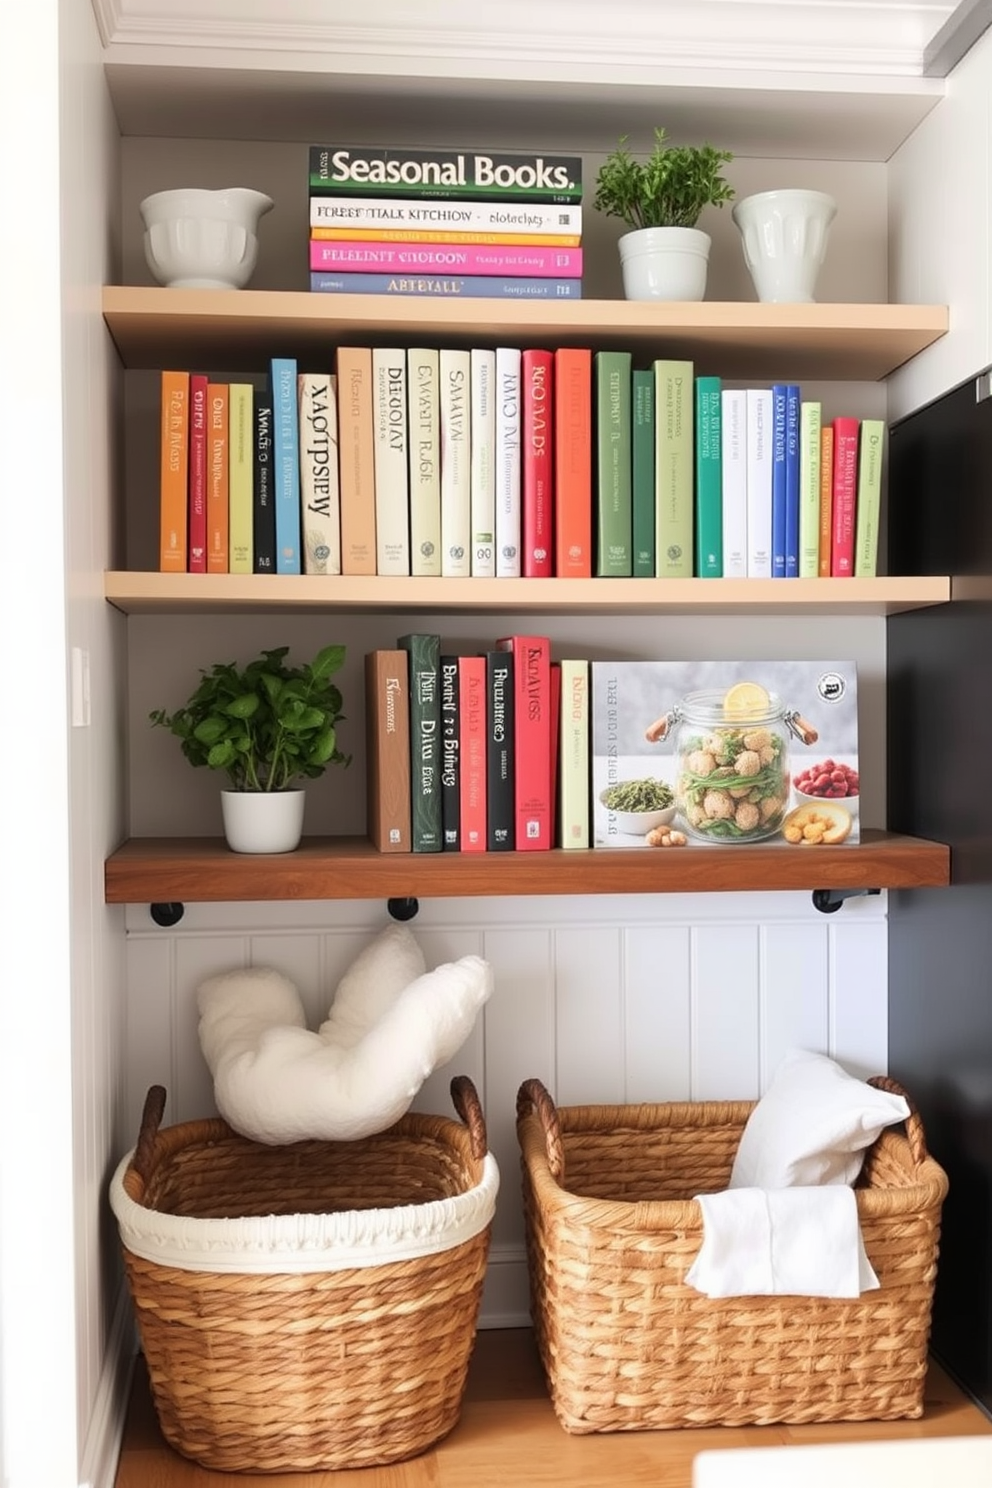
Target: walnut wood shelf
pixel 200 869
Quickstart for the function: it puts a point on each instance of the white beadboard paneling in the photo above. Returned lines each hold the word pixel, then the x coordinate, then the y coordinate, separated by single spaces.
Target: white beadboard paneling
pixel 794 982
pixel 301 958
pixel 725 973
pixel 588 977
pixel 150 1022
pixel 859 1035
pixel 657 992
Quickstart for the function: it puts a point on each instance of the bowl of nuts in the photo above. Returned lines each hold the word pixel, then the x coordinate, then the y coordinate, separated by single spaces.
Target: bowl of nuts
pixel 638 806
pixel 830 780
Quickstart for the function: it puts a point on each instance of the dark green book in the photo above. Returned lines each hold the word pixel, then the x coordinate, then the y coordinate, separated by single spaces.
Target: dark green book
pixel 425 741
pixel 709 480
pixel 642 473
pixel 614 518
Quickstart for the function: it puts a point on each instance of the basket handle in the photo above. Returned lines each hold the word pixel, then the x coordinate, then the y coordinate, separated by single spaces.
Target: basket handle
pixel 465 1099
pixel 913 1122
pixel 533 1095
pixel 151 1120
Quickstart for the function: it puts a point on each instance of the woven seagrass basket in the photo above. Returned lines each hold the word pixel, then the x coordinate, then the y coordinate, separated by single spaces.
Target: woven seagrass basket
pixel 612 1228
pixel 310 1306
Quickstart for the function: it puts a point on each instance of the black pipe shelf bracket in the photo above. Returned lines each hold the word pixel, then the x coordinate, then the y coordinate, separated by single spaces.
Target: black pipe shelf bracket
pixel 829 901
pixel 167 915
pixel 403 909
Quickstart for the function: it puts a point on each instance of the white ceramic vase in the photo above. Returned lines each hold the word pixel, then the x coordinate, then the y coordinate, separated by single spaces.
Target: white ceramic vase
pixel 664 263
pixel 262 821
pixel 200 239
pixel 784 234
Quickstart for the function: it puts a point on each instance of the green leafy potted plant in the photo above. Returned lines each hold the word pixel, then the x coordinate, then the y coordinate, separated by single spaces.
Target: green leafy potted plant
pixel 265 726
pixel 660 198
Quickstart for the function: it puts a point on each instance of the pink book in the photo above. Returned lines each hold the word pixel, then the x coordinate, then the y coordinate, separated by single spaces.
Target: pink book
pixel 537 462
pixel 845 491
pixel 531 739
pixel 472 751
pixel 521 260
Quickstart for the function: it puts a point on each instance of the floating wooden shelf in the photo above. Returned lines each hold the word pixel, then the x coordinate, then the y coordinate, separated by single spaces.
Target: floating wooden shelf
pixel 185 869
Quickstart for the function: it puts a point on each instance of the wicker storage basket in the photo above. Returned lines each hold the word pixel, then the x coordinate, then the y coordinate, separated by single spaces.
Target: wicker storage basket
pixel 612 1228
pixel 311 1306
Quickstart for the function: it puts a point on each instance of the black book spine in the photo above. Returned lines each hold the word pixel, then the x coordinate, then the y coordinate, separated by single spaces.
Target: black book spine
pixel 263 493
pixel 425 740
pixel 451 814
pixel 500 811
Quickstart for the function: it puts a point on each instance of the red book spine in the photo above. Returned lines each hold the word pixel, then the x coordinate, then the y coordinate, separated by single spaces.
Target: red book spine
pixel 573 463
pixel 472 751
pixel 532 739
pixel 845 494
pixel 537 385
pixel 198 474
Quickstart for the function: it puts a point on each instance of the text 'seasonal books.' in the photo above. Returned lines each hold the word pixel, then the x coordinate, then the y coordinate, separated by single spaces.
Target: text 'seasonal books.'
pixel 173 471
pixel 778 479
pixel 792 405
pixel 424 651
pixel 448 286
pixel 709 480
pixel 573 462
pixel 286 464
pixel 472 712
pixel 869 500
pixel 319 493
pixel 387 743
pixel 500 801
pixel 759 483
pixel 733 444
pixel 424 415
pixel 642 472
pixel 356 459
pixel 361 215
pixel 472 259
pixel 456 463
pixel 197 529
pixel 726 753
pixel 810 425
pixel 391 461
pixel 240 472
pixel 531 739
pixel 482 443
pixel 613 425
pixel 674 484
pixel 509 533
pixel 845 496
pixel 264 512
pixel 826 497
pixel 450 755
pixel 537 385
pixel 354 170
pixel 573 756
pixel 218 476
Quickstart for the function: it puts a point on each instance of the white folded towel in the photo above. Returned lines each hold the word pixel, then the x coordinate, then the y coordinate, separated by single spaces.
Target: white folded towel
pixel 785 1241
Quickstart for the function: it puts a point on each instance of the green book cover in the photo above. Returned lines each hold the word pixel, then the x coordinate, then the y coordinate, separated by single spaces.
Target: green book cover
pixel 614 518
pixel 425 741
pixel 674 455
pixel 642 473
pixel 869 503
pixel 709 480
pixel 810 425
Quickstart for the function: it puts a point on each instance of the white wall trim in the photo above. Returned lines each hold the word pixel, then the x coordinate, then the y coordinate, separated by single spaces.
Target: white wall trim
pixel 102 1450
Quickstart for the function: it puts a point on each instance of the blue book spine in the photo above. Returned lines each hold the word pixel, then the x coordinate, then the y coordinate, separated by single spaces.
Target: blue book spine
pixel 286 464
pixel 474 286
pixel 791 481
pixel 778 480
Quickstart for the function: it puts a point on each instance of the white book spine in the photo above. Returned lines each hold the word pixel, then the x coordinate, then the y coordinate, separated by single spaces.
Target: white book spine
pixel 573 758
pixel 392 495
pixel 320 508
pixel 733 442
pixel 483 441
pixel 508 434
pixel 456 216
pixel 759 483
pixel 425 461
pixel 456 455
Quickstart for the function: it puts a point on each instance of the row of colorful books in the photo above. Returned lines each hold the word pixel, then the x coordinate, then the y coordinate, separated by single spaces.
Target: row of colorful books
pixel 445 223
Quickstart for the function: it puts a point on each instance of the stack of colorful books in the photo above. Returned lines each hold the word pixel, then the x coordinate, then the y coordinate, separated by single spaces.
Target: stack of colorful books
pixel 439 222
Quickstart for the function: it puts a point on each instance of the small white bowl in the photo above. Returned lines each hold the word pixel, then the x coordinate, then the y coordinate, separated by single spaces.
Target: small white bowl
pixel 200 239
pixel 639 823
pixel 850 803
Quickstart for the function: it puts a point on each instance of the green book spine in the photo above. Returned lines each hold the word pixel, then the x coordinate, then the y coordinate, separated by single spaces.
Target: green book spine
pixel 613 465
pixel 674 454
pixel 642 473
pixel 871 448
pixel 709 480
pixel 810 426
pixel 425 741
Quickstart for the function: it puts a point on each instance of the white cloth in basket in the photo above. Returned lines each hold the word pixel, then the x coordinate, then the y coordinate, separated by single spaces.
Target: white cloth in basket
pixel 803 1241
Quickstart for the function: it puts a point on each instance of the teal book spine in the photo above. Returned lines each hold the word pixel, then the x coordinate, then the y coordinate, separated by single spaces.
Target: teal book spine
pixel 642 473
pixel 614 518
pixel 427 833
pixel 286 465
pixel 709 479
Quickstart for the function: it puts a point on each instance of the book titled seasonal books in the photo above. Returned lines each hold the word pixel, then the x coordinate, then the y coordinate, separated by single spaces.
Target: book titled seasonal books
pixel 717 752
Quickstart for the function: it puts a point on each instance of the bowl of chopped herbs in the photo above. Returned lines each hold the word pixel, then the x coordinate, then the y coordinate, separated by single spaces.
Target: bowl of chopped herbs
pixel 639 805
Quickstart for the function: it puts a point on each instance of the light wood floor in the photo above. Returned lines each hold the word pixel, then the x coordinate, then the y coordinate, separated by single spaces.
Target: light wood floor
pixel 508 1437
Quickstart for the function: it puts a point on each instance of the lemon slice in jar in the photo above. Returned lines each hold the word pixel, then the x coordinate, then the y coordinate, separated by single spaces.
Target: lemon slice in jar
pixel 745 700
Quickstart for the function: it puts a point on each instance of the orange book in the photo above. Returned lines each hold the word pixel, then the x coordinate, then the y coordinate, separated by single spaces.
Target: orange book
pixel 573 463
pixel 218 479
pixel 356 459
pixel 174 472
pixel 826 498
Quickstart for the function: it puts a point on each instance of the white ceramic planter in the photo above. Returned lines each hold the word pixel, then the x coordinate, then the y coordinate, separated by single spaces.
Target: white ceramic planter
pixel 260 822
pixel 664 263
pixel 199 239
pixel 784 234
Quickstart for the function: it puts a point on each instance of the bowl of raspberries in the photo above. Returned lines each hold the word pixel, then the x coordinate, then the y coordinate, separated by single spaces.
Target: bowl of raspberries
pixel 828 780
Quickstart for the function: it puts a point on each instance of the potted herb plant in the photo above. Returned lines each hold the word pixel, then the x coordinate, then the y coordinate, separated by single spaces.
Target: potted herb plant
pixel 266 726
pixel 665 255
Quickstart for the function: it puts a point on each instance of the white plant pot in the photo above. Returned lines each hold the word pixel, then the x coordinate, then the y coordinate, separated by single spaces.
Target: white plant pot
pixel 260 822
pixel 784 234
pixel 200 239
pixel 664 263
